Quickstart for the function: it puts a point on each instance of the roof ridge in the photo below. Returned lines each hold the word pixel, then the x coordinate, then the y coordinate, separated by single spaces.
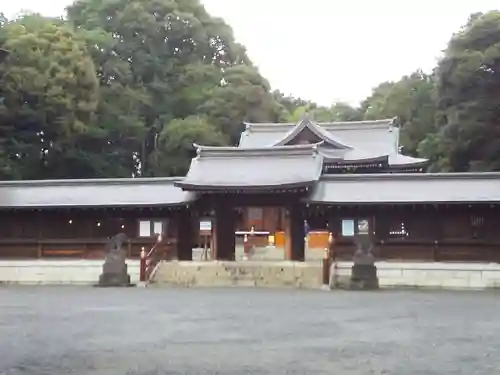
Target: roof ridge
pixel 360 122
pixel 264 124
pixel 278 151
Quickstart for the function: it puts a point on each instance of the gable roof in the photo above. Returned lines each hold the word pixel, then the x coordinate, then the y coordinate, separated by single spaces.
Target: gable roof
pixel 377 136
pixel 401 188
pixel 306 123
pixel 116 192
pixel 375 140
pixel 285 167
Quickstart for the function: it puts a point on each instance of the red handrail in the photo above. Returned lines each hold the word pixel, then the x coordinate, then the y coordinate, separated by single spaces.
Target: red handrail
pixel 148 262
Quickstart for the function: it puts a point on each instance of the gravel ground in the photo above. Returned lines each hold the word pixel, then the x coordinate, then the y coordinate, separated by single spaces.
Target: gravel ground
pixel 77 330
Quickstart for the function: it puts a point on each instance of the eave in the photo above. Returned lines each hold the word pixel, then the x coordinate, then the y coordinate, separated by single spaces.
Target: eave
pixel 243 189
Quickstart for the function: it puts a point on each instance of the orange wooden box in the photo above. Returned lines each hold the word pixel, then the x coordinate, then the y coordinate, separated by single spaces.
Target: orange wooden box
pixel 316 239
pixel 279 239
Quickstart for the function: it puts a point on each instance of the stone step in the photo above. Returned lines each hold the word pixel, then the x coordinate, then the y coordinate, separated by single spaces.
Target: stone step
pixel 240 273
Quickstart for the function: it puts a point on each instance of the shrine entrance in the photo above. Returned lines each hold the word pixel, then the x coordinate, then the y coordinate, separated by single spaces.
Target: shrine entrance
pixel 233 216
pixel 228 179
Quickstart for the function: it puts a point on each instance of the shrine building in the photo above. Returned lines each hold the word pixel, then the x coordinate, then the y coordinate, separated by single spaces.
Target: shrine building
pixel 281 176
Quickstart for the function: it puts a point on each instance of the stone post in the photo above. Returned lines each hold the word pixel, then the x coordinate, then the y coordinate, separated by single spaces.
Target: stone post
pixel 142 269
pixel 364 271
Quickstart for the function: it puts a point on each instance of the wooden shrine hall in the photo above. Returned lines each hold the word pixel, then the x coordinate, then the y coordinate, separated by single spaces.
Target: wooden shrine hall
pixel 327 175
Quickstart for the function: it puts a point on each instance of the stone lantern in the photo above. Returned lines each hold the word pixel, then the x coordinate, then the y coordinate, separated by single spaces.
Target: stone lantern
pixel 364 271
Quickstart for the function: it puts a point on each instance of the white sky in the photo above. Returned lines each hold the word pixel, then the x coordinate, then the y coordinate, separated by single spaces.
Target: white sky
pixel 329 50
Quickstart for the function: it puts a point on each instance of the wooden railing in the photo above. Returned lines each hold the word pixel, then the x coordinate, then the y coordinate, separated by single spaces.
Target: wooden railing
pixel 75 248
pixel 163 249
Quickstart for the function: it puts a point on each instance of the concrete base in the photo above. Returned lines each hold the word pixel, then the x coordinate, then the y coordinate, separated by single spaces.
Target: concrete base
pixel 462 276
pixel 240 273
pixel 258 273
pixel 107 280
pixel 57 272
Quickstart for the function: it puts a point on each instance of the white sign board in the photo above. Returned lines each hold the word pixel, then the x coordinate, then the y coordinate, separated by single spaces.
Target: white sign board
pixel 363 226
pixel 144 228
pixel 347 228
pixel 205 225
pixel 158 227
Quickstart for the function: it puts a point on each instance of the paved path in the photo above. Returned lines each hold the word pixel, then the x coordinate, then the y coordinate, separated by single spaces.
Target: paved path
pixel 68 330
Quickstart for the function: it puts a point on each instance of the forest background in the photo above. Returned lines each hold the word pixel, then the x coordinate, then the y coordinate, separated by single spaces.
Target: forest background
pixel 122 88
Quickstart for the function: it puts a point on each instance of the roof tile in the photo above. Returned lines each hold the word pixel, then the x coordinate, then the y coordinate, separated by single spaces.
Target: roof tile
pixel 120 192
pixel 408 188
pixel 253 168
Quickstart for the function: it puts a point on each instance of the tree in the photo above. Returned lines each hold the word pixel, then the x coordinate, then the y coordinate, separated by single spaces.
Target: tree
pixel 162 60
pixel 468 90
pixel 175 144
pixel 292 109
pixel 49 97
pixel 412 101
pixel 338 112
pixel 242 95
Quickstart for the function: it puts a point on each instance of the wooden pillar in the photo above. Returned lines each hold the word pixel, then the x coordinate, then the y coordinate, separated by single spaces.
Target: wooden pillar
pixel 185 234
pixel 287 229
pixel 224 232
pixel 295 234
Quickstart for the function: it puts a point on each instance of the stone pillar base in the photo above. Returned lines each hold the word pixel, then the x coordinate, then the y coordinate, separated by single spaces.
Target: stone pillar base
pixel 364 277
pixel 114 271
pixel 114 280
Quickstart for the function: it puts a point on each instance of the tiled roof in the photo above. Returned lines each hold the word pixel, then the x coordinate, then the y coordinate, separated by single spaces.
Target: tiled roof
pixel 118 192
pixel 407 188
pixel 368 140
pixel 253 168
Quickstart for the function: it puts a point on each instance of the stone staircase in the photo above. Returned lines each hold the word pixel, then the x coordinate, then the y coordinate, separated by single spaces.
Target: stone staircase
pixel 239 273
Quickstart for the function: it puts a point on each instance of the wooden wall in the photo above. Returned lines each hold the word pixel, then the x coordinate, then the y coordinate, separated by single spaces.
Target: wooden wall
pixel 412 232
pixel 428 233
pixel 76 233
pixel 417 233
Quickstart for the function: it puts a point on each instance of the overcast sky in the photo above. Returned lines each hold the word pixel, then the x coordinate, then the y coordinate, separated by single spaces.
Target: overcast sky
pixel 329 50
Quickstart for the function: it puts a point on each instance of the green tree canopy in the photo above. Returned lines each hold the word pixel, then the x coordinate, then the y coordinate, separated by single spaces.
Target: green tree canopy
pixel 412 101
pixel 49 98
pixel 124 87
pixel 468 88
pixel 175 144
pixel 164 60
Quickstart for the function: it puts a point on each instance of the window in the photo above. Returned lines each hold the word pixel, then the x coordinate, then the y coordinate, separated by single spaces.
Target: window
pixel 151 228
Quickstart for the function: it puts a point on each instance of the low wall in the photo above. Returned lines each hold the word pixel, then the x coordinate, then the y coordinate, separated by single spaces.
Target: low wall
pixel 240 273
pixel 256 273
pixel 429 275
pixel 57 272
